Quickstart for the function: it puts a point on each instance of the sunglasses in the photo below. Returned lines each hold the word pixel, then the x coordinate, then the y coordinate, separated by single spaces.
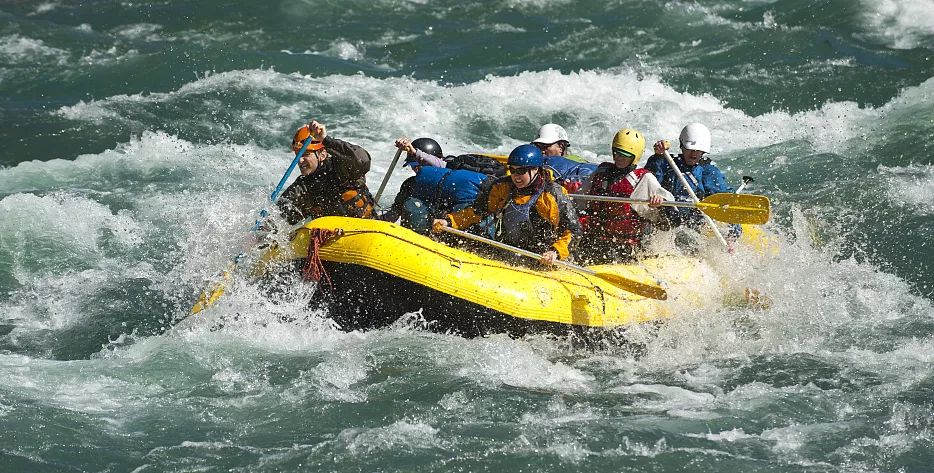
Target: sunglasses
pixel 544 146
pixel 623 153
pixel 519 169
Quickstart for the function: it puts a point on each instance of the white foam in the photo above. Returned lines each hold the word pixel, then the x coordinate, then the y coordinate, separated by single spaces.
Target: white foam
pixel 232 37
pixel 912 186
pixel 499 360
pixel 45 7
pixel 660 397
pixel 732 435
pixel 504 28
pixel 197 210
pixel 900 24
pixel 17 49
pixel 600 103
pixel 536 5
pixel 83 386
pixel 789 440
pixel 234 380
pixel 402 435
pixel 140 31
pixel 346 50
pixel 55 230
pixel 570 450
pixel 558 413
pixel 336 378
pixel 107 57
pixel 52 302
pixel 711 15
pixel 630 447
pixel 145 160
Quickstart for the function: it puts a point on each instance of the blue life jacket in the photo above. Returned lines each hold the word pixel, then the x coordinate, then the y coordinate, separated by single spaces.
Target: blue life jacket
pixel 516 223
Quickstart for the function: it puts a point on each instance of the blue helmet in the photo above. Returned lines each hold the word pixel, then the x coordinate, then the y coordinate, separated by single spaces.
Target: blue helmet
pixel 526 156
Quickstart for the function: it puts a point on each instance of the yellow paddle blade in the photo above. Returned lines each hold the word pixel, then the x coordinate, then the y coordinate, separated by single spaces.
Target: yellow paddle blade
pixel 209 296
pixel 737 208
pixel 652 291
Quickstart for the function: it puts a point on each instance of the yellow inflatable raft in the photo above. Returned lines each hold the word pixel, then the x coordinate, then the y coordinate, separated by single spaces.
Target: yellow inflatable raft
pixel 379 271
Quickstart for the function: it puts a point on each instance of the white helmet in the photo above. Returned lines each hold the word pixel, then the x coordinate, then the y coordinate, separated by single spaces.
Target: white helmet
pixel 696 136
pixel 551 133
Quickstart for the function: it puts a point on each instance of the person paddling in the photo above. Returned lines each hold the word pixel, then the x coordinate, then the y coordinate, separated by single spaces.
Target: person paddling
pixel 701 174
pixel 424 151
pixel 571 171
pixel 614 231
pixel 332 180
pixel 433 191
pixel 553 140
pixel 533 212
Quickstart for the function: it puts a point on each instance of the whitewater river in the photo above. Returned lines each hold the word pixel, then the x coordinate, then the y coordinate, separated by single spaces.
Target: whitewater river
pixel 140 139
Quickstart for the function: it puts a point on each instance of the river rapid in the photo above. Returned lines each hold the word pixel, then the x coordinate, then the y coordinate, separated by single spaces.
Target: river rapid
pixel 140 139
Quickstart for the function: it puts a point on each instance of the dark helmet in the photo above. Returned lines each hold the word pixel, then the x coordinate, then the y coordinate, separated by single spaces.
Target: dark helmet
pixel 526 156
pixel 429 146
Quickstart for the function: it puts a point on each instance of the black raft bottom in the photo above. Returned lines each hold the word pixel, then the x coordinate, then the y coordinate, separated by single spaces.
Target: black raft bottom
pixel 361 298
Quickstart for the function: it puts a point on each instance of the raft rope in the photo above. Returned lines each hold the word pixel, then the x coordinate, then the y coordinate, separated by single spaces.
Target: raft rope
pixel 314 268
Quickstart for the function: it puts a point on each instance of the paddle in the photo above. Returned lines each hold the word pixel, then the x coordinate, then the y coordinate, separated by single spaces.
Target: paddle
pixel 382 185
pixel 209 296
pixel 652 291
pixel 729 208
pixel 684 182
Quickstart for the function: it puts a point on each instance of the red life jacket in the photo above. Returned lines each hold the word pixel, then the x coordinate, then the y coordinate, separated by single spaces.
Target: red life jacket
pixel 614 220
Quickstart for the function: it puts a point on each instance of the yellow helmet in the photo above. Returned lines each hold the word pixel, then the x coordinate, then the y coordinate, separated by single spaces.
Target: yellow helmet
pixel 629 141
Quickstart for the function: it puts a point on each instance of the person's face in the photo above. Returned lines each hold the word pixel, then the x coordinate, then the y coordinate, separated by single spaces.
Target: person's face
pixel 553 149
pixel 522 176
pixel 309 163
pixel 692 156
pixel 622 159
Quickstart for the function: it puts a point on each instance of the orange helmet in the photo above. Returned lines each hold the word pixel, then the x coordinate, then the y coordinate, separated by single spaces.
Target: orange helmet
pixel 300 136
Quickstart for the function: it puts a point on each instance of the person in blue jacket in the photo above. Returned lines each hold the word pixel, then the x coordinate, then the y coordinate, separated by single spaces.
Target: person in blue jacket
pixel 574 176
pixel 433 191
pixel 571 171
pixel 704 177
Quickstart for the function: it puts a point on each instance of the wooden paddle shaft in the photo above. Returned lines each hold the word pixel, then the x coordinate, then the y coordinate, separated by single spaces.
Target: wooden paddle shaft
pixel 513 249
pixel 382 185
pixel 606 198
